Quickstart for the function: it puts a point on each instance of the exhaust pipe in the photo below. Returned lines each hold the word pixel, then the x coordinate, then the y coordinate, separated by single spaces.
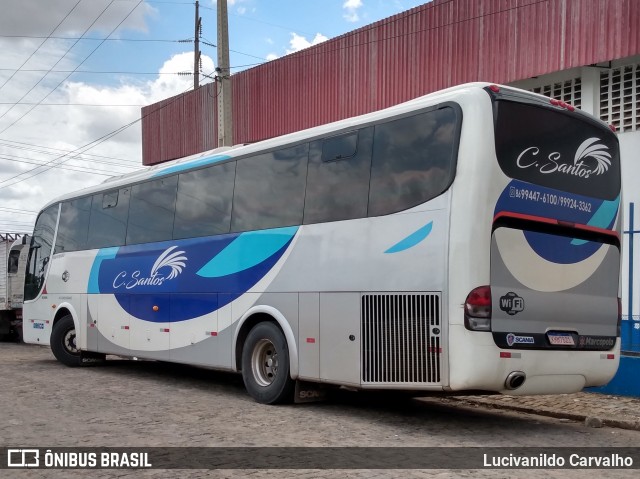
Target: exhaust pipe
pixel 514 380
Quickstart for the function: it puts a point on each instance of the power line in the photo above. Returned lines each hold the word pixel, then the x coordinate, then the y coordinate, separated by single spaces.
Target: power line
pixel 78 168
pixel 90 71
pixel 17 211
pixel 23 160
pixel 158 40
pixel 81 159
pixel 49 165
pixel 244 17
pixel 32 147
pixel 85 59
pixel 59 60
pixel 42 43
pixel 210 44
pixel 71 104
pixel 305 54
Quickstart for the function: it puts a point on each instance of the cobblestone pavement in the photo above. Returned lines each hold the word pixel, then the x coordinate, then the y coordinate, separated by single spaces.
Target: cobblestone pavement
pixel 595 409
pixel 150 404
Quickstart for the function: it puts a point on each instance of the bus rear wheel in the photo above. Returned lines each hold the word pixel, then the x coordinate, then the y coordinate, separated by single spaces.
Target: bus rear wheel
pixel 265 365
pixel 63 342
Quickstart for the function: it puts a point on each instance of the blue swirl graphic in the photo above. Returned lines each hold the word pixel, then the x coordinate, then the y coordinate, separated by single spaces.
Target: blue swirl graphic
pixel 191 284
pixel 412 240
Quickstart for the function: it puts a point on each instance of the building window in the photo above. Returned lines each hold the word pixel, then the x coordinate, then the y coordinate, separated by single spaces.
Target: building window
pixel 569 91
pixel 620 97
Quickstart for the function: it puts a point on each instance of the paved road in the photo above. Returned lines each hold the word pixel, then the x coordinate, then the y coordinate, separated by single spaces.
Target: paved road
pixel 149 404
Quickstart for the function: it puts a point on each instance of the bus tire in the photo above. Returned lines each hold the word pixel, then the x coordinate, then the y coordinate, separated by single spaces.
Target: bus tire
pixel 265 365
pixel 63 342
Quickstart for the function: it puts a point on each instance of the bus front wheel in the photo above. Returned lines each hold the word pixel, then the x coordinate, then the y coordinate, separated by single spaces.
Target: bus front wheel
pixel 265 365
pixel 63 342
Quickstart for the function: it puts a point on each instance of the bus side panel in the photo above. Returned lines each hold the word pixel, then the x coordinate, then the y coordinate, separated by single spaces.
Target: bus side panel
pixel 113 326
pixel 196 342
pixel 391 259
pixel 309 335
pixel 340 338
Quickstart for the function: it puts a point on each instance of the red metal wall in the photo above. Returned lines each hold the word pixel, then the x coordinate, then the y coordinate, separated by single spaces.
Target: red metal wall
pixel 179 126
pixel 436 45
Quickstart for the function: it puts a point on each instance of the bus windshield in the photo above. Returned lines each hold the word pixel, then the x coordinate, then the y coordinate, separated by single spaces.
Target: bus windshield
pixel 555 149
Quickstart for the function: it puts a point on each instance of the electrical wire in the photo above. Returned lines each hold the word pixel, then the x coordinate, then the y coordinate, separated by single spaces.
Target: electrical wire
pixel 42 43
pixel 76 168
pixel 50 164
pixel 32 147
pixel 85 59
pixel 59 60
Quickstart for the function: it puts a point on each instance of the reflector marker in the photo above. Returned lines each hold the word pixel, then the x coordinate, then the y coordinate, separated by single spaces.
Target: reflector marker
pixel 607 356
pixel 164 330
pixel 124 327
pixel 211 333
pixel 510 355
pixel 311 340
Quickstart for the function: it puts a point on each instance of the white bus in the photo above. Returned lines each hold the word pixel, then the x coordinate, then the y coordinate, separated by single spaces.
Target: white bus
pixel 467 240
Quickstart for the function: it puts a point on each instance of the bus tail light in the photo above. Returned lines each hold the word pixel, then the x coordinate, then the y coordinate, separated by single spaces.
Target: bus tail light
pixel 477 309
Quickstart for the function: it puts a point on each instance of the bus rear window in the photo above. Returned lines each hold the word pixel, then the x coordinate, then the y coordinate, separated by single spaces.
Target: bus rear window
pixel 556 149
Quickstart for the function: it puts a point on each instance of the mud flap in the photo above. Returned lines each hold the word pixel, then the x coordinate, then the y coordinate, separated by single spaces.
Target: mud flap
pixel 309 392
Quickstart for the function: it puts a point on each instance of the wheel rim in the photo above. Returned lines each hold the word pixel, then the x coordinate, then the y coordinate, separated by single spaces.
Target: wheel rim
pixel 264 362
pixel 69 342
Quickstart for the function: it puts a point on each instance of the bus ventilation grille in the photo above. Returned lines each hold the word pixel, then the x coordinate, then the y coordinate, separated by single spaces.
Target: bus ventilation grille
pixel 398 340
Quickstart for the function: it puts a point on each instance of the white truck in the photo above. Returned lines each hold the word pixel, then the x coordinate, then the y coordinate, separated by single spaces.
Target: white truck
pixel 13 258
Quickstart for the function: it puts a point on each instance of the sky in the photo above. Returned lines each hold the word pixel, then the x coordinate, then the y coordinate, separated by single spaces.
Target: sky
pixel 74 75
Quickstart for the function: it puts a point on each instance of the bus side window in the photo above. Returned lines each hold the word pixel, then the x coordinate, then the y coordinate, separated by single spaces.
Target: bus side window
pixel 151 211
pixel 74 225
pixel 204 201
pixel 413 160
pixel 338 178
pixel 109 214
pixel 269 189
pixel 340 147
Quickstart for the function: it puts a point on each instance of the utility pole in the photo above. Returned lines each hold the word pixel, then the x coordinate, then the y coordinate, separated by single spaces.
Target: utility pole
pixel 196 50
pixel 225 125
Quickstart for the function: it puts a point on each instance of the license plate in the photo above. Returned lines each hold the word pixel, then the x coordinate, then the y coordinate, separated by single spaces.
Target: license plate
pixel 561 339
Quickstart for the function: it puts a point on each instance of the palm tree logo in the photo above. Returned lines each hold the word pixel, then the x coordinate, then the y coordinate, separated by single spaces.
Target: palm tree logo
pixel 592 149
pixel 174 260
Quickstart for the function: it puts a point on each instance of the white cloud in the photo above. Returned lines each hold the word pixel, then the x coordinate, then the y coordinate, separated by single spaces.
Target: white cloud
pixel 351 10
pixel 241 10
pixel 30 17
pixel 298 42
pixel 272 56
